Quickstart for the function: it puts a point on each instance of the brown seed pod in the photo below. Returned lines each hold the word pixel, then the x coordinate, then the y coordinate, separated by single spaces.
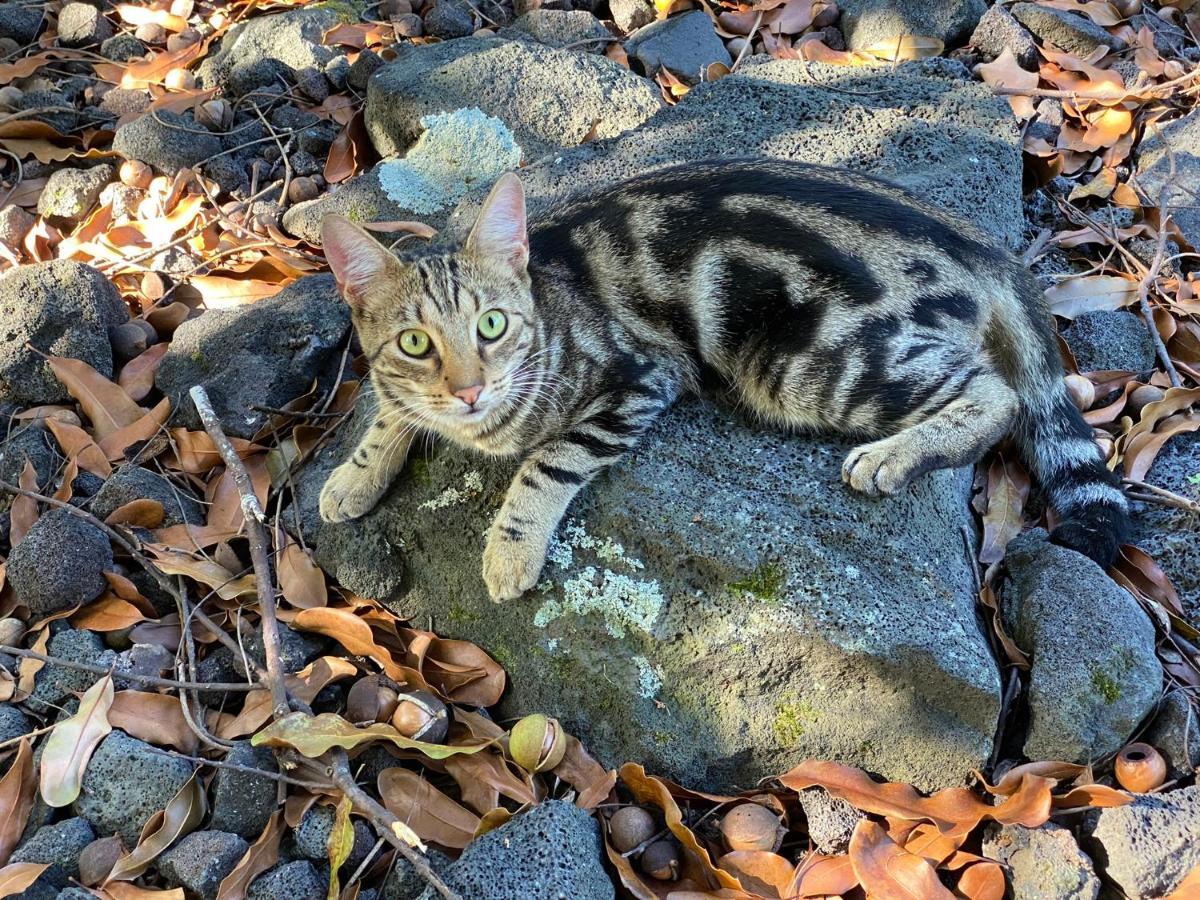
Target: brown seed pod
pixel 10 96
pixel 303 188
pixel 370 700
pixel 421 716
pixel 1142 396
pixel 136 174
pixel 151 33
pixel 179 79
pixel 215 115
pixel 629 827
pixel 1082 391
pixel 661 860
pixel 1140 768
pixel 537 743
pixel 751 827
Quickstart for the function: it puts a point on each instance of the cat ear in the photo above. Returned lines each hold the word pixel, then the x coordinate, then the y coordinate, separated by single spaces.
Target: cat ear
pixel 355 257
pixel 500 229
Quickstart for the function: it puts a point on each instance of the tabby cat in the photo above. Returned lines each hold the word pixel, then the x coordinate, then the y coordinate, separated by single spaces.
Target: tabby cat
pixel 822 298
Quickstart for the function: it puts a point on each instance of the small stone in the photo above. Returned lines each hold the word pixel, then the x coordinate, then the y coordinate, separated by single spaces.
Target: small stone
pixel 450 19
pixel 122 48
pixel 20 23
pixel 998 31
pixel 405 883
pixel 82 25
pixel 573 30
pixel 201 861
pixel 830 820
pixel 125 102
pixel 298 880
pixel 242 802
pixel 54 684
pixel 363 68
pixel 393 9
pixel 14 225
pixel 123 199
pixel 130 483
pixel 10 97
pixel 1169 39
pixel 410 26
pixel 168 141
pixel 1110 339
pixel 1147 847
pixel 868 23
pixel 685 45
pixel 69 193
pixel 59 845
pixel 1175 733
pixel 1065 30
pixel 13 723
pixel 1042 862
pixel 59 564
pixel 337 70
pixel 151 33
pixel 630 15
pixel 11 631
pixel 312 83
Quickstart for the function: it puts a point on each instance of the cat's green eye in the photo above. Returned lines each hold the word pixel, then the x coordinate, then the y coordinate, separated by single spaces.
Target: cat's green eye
pixel 414 342
pixel 492 324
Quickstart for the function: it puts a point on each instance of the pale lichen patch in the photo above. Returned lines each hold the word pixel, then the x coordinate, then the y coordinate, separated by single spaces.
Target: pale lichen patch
pixel 622 601
pixel 451 496
pixel 650 678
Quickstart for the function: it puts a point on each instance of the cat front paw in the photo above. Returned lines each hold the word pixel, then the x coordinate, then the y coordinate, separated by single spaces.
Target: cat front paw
pixel 348 494
pixel 511 567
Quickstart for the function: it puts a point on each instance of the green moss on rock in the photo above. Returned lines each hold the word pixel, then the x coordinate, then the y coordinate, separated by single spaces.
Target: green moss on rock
pixel 765 582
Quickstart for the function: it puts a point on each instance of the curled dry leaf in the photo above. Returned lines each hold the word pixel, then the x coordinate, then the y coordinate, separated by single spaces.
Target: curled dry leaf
pixel 154 718
pixel 905 47
pixel 137 376
pixel 182 815
pixel 1088 293
pixel 15 878
pixel 885 869
pixel 72 742
pixel 313 735
pixel 300 579
pixel 352 633
pixel 955 811
pixel 109 613
pixel 18 788
pixel 1005 71
pixel 106 405
pixel 425 809
pixel 483 777
pixel 592 782
pixel 78 445
pixel 982 881
pixel 138 514
pixel 462 671
pixel 114 445
pixel 340 843
pixel 263 854
pixel 1097 796
pixel 304 685
pixel 763 873
pixel 1007 491
pixel 819 875
pixel 205 571
pixel 123 890
pixel 24 510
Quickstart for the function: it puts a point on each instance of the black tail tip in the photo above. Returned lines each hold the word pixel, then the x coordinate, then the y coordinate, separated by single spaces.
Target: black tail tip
pixel 1097 531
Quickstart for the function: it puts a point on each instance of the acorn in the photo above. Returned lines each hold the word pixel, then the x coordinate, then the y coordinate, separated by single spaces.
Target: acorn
pixel 629 827
pixel 752 827
pixel 136 174
pixel 537 743
pixel 1140 768
pixel 302 188
pixel 215 115
pixel 371 700
pixel 1142 396
pixel 11 631
pixel 421 716
pixel 1082 391
pixel 179 79
pixel 661 860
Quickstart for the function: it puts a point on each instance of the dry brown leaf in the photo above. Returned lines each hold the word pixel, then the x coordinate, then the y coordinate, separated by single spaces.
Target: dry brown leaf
pixel 263 854
pixel 1136 571
pixel 105 404
pixel 1098 796
pixel 1007 491
pixel 905 47
pixel 1014 654
pixel 982 881
pixel 205 571
pixel 312 736
pixel 304 685
pixel 425 809
pixel 24 510
pixel 220 292
pixel 352 633
pixel 1099 11
pixel 592 782
pixel 123 890
pixel 15 878
pixel 18 790
pixel 141 15
pixel 482 777
pixel 137 375
pixel 155 718
pixel 889 872
pixel 182 815
pixel 1189 888
pixel 138 514
pixel 1005 71
pixel 78 445
pixel 955 811
pixel 114 445
pixel 763 873
pixel 197 455
pixel 72 742
pixel 819 875
pixel 462 671
pixel 109 613
pixel 346 153
pixel 1100 187
pixel 1087 293
pixel 301 579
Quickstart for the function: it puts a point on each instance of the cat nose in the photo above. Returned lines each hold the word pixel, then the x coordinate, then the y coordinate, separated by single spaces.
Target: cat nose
pixel 469 395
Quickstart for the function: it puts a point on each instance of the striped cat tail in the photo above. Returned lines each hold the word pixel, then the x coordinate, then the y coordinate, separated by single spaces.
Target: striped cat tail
pixel 1055 441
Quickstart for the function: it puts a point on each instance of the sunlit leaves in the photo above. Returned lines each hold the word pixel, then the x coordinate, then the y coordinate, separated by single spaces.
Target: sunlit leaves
pixel 72 742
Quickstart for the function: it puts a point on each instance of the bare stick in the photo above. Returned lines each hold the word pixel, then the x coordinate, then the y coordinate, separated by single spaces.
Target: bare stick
pixel 148 680
pixel 253 513
pixel 1147 282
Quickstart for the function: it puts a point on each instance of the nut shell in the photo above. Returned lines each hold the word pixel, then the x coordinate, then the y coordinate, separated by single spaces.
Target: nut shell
pixel 751 827
pixel 1140 768
pixel 421 716
pixel 661 860
pixel 629 827
pixel 537 743
pixel 1082 391
pixel 136 174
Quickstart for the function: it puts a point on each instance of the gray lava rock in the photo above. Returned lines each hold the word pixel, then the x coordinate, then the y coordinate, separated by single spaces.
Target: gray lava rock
pixel 168 141
pixel 20 22
pixel 1065 30
pixel 125 102
pixel 685 45
pixel 268 353
pixel 122 48
pixel 83 25
pixel 552 850
pixel 362 69
pixel 867 23
pixel 201 860
pixel 296 650
pixel 560 28
pixel 361 199
pixel 1043 863
pixel 70 193
pixel 242 803
pixel 1095 675
pixel 830 820
pixel 54 684
pixel 73 893
pixel 59 564
pixel 449 19
pixel 405 883
pixel 1110 339
pixel 14 225
pixel 298 880
pixel 258 52
pixel 126 783
pixel 1172 532
pixel 59 845
pixel 13 723
pixel 1169 38
pixel 1182 136
pixel 311 837
pixel 1148 847
pixel 130 483
pixel 31 442
pixel 62 308
pixel 922 125
pixel 548 98
pixel 1175 731
pixel 998 31
pixel 631 15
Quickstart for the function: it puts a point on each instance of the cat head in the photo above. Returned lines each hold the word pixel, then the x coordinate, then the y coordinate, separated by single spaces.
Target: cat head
pixel 448 333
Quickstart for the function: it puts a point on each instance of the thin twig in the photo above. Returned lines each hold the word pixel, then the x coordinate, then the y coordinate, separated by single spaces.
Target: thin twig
pixel 1149 92
pixel 1147 282
pixel 1150 493
pixel 248 770
pixel 148 680
pixel 260 558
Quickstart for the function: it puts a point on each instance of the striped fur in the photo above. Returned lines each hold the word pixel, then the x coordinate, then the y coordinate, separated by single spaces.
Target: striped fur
pixel 822 299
